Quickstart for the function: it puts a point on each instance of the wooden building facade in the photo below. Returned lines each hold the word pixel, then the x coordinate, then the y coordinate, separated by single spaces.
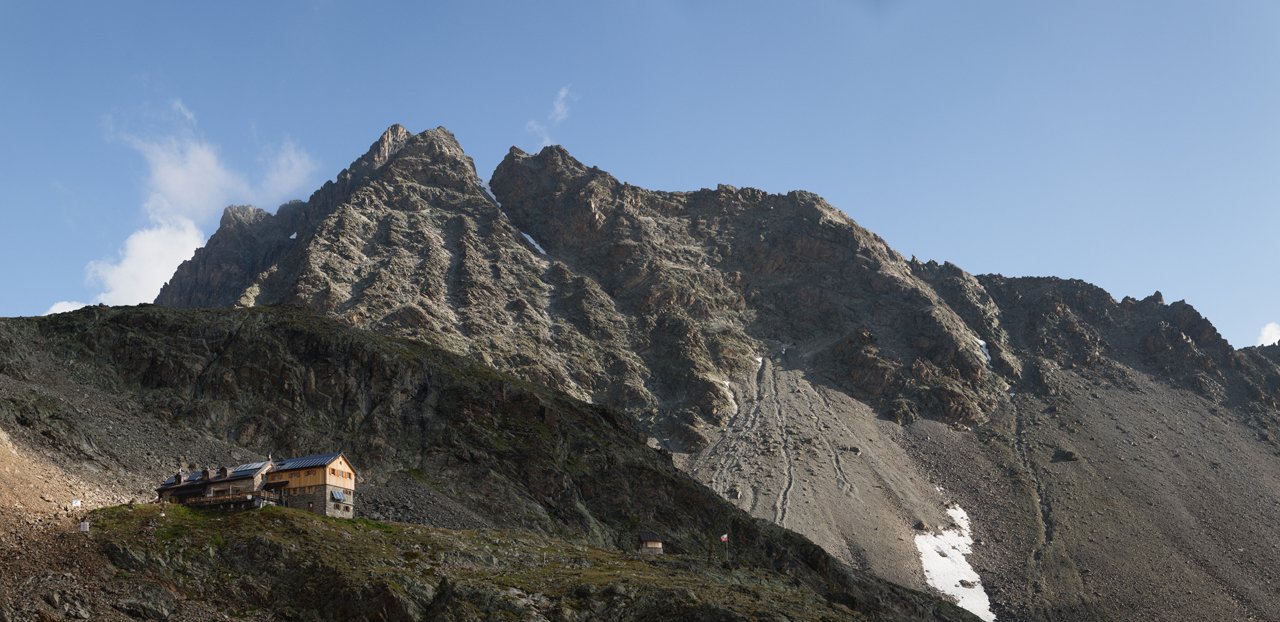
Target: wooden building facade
pixel 649 543
pixel 323 484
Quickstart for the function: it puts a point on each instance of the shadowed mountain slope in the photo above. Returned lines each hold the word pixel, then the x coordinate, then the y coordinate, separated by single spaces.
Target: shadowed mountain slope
pixel 120 397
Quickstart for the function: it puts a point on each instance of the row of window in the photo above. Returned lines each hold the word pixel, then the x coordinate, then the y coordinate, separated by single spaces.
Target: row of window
pixel 275 477
pixel 307 490
pixel 337 506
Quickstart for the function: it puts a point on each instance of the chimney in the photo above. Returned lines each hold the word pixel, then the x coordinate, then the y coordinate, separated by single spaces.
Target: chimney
pixel 223 472
pixel 204 474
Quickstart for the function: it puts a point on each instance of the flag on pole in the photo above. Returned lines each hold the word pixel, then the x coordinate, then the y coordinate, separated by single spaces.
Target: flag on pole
pixel 724 538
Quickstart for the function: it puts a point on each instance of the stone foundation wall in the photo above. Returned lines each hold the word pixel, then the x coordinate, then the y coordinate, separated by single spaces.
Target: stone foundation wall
pixel 321 501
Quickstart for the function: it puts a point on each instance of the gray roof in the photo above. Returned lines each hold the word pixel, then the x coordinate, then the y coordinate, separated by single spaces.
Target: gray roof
pixel 304 462
pixel 247 469
pixel 190 477
pixel 240 472
pixel 250 469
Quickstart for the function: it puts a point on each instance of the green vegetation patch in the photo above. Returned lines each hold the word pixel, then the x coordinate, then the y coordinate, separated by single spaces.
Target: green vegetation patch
pixel 310 567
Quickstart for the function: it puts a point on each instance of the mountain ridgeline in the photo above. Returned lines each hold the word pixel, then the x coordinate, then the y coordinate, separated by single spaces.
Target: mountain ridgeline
pixel 1118 458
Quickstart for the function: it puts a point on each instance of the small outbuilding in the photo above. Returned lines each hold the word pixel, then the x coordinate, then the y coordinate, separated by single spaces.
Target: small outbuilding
pixel 648 543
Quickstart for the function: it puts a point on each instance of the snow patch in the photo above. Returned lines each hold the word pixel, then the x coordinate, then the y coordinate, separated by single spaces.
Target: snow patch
pixel 945 568
pixel 484 187
pixel 293 236
pixel 533 242
pixel 759 363
pixel 728 392
pixel 986 352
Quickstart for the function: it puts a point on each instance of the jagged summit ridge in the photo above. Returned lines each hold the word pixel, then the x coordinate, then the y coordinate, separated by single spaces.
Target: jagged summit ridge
pixel 748 269
pixel 381 150
pixel 699 284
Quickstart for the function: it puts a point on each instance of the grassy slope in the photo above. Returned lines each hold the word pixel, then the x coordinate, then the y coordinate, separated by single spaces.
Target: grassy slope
pixel 308 567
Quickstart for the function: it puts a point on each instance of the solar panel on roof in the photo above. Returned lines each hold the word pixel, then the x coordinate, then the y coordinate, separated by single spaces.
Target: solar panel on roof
pixel 338 496
pixel 248 468
pixel 305 461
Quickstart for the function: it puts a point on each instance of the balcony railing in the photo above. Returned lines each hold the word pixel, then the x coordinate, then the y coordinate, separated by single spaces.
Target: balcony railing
pixel 233 498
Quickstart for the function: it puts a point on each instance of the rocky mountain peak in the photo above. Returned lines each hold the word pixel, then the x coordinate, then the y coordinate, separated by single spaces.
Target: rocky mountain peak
pixel 435 159
pixel 676 295
pixel 241 216
pixel 433 156
pixel 380 152
pixel 554 159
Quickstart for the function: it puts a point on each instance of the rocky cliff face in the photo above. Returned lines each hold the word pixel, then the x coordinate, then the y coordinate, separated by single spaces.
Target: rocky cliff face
pixel 720 278
pixel 806 371
pixel 650 301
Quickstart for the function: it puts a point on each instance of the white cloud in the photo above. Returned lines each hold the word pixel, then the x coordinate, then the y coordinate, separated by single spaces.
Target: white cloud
pixel 288 170
pixel 182 109
pixel 187 186
pixel 62 306
pixel 1270 334
pixel 147 259
pixel 540 131
pixel 560 107
pixel 559 112
pixel 186 179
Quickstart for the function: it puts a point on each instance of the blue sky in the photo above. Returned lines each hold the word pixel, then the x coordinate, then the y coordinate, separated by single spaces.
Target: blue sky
pixel 1135 145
